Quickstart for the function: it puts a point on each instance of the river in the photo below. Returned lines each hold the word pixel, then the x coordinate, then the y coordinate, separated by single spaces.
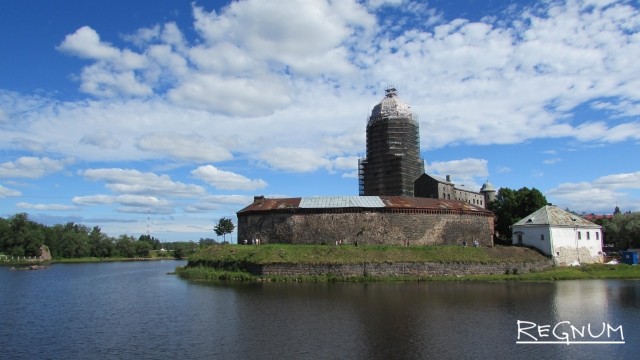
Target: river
pixel 136 310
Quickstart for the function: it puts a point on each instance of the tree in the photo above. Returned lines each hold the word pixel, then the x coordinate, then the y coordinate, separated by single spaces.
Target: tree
pixel 510 206
pixel 623 230
pixel 225 226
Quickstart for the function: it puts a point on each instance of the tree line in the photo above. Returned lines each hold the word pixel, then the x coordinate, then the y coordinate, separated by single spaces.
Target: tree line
pixel 20 236
pixel 622 231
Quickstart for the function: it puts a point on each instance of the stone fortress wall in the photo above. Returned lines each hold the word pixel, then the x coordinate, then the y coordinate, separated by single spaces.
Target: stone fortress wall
pixel 371 227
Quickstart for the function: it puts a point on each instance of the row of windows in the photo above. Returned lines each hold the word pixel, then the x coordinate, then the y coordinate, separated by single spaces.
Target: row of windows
pixel 580 235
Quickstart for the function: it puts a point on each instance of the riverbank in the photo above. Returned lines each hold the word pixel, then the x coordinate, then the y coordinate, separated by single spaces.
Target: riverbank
pixel 385 263
pixel 22 263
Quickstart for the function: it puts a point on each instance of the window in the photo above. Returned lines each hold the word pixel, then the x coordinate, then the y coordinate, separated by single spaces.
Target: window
pixel 541 237
pixel 579 235
pixel 588 235
pixel 597 235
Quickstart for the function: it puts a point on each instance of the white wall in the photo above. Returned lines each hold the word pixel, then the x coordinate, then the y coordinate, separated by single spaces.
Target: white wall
pixel 532 235
pixel 562 242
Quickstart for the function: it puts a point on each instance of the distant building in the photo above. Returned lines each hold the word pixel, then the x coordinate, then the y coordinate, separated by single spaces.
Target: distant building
pixel 434 187
pixel 566 237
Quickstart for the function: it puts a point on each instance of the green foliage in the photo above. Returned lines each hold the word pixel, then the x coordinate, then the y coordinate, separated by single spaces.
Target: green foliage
pixel 238 255
pixel 511 206
pixel 623 230
pixel 20 236
pixel 225 226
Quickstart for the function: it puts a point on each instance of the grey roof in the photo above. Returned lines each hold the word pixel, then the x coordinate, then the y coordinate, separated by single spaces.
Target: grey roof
pixel 487 187
pixel 554 216
pixel 341 201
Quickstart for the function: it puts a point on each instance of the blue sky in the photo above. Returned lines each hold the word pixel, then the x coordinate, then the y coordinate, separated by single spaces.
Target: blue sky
pixel 176 113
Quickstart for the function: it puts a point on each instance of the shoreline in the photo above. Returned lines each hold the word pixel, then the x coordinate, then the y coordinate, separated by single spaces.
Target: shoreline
pixel 326 263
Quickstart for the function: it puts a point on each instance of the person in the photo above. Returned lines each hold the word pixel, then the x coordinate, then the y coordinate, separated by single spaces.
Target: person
pixel 475 243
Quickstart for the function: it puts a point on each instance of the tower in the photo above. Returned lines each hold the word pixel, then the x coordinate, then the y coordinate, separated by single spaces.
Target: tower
pixel 489 193
pixel 392 161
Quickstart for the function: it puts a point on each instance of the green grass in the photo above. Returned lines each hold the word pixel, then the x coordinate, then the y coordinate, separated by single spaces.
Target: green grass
pixel 347 254
pixel 225 262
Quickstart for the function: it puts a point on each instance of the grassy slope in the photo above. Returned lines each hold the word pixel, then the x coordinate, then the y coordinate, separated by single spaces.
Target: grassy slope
pixel 202 264
pixel 348 254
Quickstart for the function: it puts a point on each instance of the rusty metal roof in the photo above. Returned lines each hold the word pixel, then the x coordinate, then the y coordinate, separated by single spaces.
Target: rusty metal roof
pixel 390 202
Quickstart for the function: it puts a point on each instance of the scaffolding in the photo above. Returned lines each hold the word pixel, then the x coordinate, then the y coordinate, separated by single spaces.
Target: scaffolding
pixel 392 162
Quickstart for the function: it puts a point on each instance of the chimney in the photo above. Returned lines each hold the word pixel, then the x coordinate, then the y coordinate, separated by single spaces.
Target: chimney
pixel 448 178
pixel 258 198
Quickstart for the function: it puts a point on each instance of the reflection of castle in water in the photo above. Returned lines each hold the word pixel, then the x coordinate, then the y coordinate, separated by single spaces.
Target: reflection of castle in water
pixel 399 203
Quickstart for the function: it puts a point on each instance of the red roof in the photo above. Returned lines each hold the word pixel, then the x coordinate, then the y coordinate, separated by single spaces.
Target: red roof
pixel 390 202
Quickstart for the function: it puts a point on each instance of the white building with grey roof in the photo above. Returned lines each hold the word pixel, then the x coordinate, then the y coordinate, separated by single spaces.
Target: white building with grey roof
pixel 567 238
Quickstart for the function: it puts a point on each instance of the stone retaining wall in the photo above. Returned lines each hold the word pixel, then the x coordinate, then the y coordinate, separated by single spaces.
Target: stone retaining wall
pixel 399 269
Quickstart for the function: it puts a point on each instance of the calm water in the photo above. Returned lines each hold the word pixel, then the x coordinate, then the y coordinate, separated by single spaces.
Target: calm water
pixel 134 310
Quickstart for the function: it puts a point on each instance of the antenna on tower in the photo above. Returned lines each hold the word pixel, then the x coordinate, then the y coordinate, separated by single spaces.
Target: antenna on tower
pixel 148 225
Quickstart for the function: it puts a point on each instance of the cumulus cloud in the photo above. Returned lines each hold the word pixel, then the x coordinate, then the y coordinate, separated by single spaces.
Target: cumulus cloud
pixel 230 203
pixel 601 194
pixel 51 207
pixel 466 171
pixel 128 203
pixel 134 182
pixel 31 167
pixel 184 147
pixel 114 71
pixel 6 192
pixel 294 159
pixel 226 180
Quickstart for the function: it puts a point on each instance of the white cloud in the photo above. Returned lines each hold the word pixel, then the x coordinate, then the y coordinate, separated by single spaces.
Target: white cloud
pixel 294 159
pixel 220 203
pixel 183 147
pixel 6 192
pixel 226 180
pixel 619 181
pixel 31 167
pixel 128 203
pixel 465 171
pixel 551 161
pixel 50 207
pixel 134 182
pixel 600 195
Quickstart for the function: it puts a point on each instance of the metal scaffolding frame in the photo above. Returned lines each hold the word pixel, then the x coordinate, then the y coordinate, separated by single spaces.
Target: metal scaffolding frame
pixel 393 159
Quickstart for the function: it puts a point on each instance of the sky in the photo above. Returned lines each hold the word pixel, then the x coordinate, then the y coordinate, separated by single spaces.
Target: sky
pixel 163 116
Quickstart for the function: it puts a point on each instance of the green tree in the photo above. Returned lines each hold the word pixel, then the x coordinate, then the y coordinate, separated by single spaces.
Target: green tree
pixel 101 244
pixel 510 206
pixel 23 237
pixel 225 226
pixel 623 230
pixel 126 246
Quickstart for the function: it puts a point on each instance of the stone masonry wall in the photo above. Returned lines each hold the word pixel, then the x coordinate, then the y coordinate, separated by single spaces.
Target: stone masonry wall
pixel 391 228
pixel 386 269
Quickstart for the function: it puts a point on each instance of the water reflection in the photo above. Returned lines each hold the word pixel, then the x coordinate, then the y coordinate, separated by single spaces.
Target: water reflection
pixel 133 310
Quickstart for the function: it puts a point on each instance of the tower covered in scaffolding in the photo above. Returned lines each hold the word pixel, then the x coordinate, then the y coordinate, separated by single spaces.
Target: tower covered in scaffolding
pixel 393 160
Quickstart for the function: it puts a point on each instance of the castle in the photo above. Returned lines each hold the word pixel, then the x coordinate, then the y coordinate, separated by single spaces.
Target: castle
pixel 398 204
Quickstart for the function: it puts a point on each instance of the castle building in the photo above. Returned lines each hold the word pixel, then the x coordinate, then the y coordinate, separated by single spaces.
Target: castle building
pixel 434 187
pixel 398 204
pixel 393 160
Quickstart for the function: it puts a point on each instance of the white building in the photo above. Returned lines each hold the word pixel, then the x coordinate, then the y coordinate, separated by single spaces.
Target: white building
pixel 566 237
